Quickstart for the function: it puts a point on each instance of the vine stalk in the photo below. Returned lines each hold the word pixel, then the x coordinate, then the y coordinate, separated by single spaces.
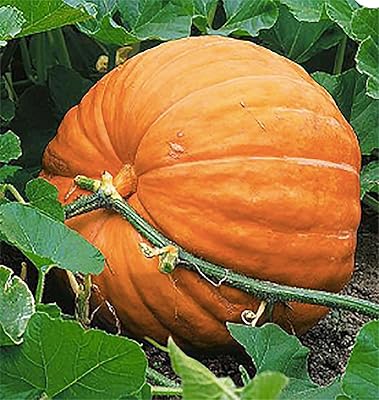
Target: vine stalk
pixel 216 274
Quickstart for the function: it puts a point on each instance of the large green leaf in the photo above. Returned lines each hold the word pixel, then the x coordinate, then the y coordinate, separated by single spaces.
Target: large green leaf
pixel 62 360
pixel 44 15
pixel 348 90
pixel 47 242
pixel 203 12
pixel 44 196
pixel 102 26
pixel 368 64
pixel 10 148
pixel 365 28
pixel 341 12
pixel 16 307
pixel 305 10
pixel 360 380
pixel 197 381
pixel 157 19
pixel 300 41
pixel 11 22
pixel 272 349
pixel 7 172
pixel 248 18
pixel 266 385
pixel 370 178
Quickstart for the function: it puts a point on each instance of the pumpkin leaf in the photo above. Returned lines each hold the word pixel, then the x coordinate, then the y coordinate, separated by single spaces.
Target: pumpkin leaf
pixel 11 22
pixel 47 242
pixel 203 13
pixel 370 178
pixel 60 359
pixel 143 394
pixel 7 172
pixel 248 18
pixel 299 40
pixel 367 64
pixel 156 19
pixel 266 385
pixel 102 26
pixel 365 28
pixel 44 196
pixel 67 87
pixel 305 10
pixel 106 30
pixel 51 309
pixel 40 16
pixel 7 109
pixel 348 90
pixel 16 307
pixel 10 147
pixel 272 349
pixel 197 381
pixel 341 12
pixel 360 380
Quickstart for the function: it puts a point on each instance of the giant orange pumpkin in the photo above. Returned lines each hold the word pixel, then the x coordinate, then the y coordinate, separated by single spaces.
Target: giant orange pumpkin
pixel 231 151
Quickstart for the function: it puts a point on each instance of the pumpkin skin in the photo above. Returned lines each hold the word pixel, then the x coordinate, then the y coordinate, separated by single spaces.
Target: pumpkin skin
pixel 238 156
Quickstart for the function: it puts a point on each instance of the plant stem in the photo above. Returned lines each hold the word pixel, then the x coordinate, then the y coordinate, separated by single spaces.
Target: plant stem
pixel 9 87
pixel 264 290
pixel 340 56
pixel 56 39
pixel 157 378
pixel 371 202
pixel 41 66
pixel 26 62
pixel 11 189
pixel 166 391
pixel 40 286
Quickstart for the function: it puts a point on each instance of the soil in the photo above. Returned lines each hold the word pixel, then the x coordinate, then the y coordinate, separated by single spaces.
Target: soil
pixel 330 341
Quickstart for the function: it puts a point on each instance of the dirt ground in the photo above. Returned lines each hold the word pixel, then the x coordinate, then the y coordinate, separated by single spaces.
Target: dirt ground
pixel 330 340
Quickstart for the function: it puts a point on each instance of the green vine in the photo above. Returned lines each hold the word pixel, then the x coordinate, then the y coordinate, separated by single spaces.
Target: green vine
pixel 264 290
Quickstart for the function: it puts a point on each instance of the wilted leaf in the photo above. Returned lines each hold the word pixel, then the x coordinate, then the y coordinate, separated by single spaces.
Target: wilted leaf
pixel 16 307
pixel 272 349
pixel 47 242
pixel 360 380
pixel 62 360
